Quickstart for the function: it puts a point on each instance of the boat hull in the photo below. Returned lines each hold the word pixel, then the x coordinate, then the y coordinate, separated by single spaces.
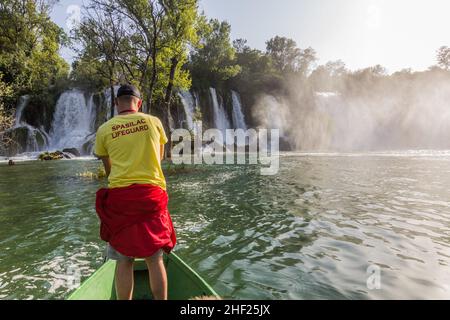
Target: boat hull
pixel 183 282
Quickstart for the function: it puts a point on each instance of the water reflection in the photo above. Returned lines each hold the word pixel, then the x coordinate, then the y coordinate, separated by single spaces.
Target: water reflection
pixel 309 232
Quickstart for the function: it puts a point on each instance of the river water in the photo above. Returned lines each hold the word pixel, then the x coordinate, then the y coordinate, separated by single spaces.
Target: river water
pixel 328 226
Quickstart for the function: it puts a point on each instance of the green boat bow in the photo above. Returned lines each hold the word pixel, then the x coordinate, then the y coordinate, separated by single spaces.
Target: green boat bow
pixel 183 282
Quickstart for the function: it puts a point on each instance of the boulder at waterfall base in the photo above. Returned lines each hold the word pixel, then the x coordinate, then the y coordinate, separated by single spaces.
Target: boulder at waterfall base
pixel 57 155
pixel 73 151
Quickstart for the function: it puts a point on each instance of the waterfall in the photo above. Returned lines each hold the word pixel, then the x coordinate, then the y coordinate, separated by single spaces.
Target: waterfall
pixel 45 136
pixel 33 134
pixel 107 93
pixel 189 107
pixel 23 102
pixel 197 99
pixel 72 121
pixel 221 120
pixel 238 116
pixel 197 122
pixel 32 144
pixel 326 94
pixel 91 106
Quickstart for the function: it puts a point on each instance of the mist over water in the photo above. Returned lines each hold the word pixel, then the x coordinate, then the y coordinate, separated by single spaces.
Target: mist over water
pixel 399 112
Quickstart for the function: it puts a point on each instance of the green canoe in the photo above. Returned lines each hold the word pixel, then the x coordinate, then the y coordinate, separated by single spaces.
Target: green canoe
pixel 184 283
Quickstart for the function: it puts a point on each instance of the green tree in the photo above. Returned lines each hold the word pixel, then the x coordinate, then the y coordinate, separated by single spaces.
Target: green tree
pixel 148 18
pixel 307 61
pixel 214 61
pixel 284 54
pixel 6 117
pixel 288 58
pixel 365 81
pixel 328 77
pixel 144 21
pixel 101 34
pixel 180 32
pixel 143 42
pixel 443 57
pixel 29 46
pixel 256 67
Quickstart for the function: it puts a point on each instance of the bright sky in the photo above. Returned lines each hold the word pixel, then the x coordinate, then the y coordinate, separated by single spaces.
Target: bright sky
pixel 394 33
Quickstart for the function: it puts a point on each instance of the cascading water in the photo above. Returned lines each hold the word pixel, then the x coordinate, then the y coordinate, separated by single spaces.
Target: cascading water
pixel 221 121
pixel 197 99
pixel 189 104
pixel 23 102
pixel 107 93
pixel 91 106
pixel 32 144
pixel 238 115
pixel 197 122
pixel 72 121
pixel 33 134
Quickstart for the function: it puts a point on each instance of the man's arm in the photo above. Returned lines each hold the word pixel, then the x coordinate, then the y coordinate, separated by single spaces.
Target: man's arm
pixel 163 138
pixel 107 164
pixel 100 151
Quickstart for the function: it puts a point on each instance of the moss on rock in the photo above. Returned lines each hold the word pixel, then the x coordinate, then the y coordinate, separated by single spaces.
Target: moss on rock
pixel 48 156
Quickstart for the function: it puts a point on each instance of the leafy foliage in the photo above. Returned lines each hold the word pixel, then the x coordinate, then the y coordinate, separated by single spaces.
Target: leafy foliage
pixel 6 117
pixel 29 45
pixel 215 60
pixel 443 57
pixel 288 58
pixel 137 42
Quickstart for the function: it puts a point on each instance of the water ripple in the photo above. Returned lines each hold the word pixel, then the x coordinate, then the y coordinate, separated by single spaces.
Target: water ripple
pixel 310 232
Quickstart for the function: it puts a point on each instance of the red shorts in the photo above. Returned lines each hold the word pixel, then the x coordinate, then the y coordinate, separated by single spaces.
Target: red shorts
pixel 135 220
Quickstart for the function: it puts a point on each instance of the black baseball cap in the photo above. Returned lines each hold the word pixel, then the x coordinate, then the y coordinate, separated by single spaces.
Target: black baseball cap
pixel 128 90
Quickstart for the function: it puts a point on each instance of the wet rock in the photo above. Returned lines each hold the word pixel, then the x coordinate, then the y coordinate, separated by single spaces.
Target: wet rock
pixel 285 145
pixel 88 146
pixel 49 156
pixel 19 136
pixel 73 151
pixel 24 139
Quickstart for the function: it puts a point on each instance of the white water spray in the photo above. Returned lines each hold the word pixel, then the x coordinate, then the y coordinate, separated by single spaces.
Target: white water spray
pixel 32 144
pixel 189 104
pixel 221 121
pixel 107 93
pixel 72 122
pixel 23 102
pixel 238 115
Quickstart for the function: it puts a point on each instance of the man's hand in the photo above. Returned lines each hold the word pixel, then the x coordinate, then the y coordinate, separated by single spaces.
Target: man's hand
pixel 107 164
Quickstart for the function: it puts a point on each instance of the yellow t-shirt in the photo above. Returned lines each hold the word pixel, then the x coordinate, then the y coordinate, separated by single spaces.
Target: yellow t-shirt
pixel 133 143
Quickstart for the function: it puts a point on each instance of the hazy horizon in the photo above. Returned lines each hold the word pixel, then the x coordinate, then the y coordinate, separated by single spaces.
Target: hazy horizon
pixel 395 34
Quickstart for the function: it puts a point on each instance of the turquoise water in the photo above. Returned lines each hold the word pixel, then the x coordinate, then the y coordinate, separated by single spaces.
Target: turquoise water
pixel 310 232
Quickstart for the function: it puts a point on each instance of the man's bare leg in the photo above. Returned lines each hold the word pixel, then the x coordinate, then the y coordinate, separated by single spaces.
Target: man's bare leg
pixel 124 280
pixel 158 277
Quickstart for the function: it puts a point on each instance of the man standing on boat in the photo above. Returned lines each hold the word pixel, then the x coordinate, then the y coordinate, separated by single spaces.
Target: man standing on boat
pixel 133 211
